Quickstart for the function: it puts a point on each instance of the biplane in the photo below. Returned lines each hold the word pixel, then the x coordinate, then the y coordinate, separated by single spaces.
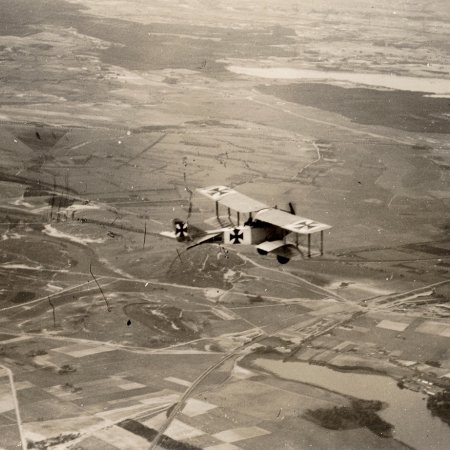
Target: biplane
pixel 270 230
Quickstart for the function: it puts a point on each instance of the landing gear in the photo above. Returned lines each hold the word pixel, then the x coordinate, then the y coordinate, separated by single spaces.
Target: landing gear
pixel 261 251
pixel 282 259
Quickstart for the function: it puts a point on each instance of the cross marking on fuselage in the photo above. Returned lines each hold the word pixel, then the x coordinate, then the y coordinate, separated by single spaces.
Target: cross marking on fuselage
pixel 236 236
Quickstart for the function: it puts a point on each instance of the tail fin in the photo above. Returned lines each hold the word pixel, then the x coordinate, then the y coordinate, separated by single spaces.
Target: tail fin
pixel 181 230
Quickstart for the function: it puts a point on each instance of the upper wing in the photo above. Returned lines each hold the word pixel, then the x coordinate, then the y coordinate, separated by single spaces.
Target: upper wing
pixel 290 222
pixel 231 198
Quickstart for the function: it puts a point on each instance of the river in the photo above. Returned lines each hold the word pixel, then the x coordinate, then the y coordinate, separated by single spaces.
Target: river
pixel 440 87
pixel 406 410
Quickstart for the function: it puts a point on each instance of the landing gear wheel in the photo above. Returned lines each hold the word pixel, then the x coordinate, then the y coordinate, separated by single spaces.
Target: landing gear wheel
pixel 261 251
pixel 282 259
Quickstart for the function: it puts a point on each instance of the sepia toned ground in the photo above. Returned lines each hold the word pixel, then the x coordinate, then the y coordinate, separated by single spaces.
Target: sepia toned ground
pixel 111 112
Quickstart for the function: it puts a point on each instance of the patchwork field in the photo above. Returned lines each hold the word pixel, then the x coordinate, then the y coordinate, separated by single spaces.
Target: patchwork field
pixel 112 112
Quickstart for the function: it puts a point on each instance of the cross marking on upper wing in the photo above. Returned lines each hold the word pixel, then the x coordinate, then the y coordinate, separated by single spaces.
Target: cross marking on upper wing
pixel 218 191
pixel 308 224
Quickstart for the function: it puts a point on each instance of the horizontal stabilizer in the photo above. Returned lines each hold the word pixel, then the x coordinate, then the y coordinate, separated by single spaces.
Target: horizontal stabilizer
pixel 169 234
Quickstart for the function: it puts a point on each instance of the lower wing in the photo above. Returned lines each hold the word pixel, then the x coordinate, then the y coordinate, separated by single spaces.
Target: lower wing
pixel 279 248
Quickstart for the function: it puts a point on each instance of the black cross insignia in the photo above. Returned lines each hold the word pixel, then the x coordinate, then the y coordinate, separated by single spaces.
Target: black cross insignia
pixel 180 229
pixel 303 224
pixel 236 236
pixel 218 190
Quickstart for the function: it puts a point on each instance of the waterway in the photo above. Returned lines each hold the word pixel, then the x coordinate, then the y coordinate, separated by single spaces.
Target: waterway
pixel 406 410
pixel 440 87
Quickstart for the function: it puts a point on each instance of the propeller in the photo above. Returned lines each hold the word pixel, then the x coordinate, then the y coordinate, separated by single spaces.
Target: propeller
pixel 292 208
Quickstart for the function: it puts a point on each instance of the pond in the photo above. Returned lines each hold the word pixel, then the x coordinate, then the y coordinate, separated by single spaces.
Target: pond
pixel 407 410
